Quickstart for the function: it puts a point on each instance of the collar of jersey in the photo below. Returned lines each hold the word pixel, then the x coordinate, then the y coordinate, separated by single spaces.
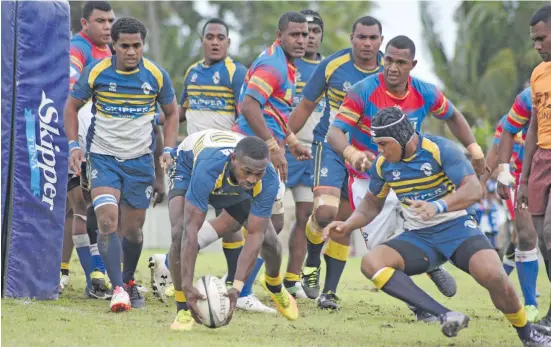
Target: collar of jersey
pixel 318 60
pixel 136 70
pixel 364 70
pixel 382 79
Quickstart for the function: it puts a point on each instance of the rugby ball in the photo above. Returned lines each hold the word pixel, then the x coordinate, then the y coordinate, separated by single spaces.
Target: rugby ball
pixel 213 311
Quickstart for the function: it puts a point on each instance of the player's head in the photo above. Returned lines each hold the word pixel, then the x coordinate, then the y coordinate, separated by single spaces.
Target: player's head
pixel 366 38
pixel 315 31
pixel 292 32
pixel 392 131
pixel 128 35
pixel 540 32
pixel 97 19
pixel 399 60
pixel 215 40
pixel 249 161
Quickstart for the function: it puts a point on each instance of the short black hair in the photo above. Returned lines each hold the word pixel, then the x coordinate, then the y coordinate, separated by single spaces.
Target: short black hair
pixel 215 21
pixel 402 42
pixel 367 21
pixel 128 25
pixel 312 17
pixel 543 14
pixel 252 147
pixel 90 6
pixel 289 17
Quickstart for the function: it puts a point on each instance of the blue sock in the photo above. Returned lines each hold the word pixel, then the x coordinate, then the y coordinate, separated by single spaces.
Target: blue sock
pixel 528 267
pixel 82 245
pixel 110 249
pixel 98 263
pixel 248 287
pixel 508 268
pixel 166 261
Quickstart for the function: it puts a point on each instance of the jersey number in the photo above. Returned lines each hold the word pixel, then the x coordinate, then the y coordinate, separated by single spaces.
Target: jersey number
pixel 227 151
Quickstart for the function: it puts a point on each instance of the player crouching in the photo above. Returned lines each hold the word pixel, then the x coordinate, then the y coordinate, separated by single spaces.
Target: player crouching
pixel 435 184
pixel 230 172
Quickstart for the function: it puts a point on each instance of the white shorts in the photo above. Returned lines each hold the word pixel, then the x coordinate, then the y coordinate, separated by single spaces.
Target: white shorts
pixel 388 224
pixel 302 193
pixel 278 204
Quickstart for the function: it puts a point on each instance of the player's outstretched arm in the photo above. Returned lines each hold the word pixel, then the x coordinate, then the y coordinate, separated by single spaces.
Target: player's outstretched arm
pixel 468 193
pixel 70 119
pixel 252 112
pixel 365 213
pixel 256 228
pixel 300 114
pixel 530 146
pixel 461 129
pixel 338 140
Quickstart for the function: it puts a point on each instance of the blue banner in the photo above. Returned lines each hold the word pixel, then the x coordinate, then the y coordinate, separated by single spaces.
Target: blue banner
pixel 40 147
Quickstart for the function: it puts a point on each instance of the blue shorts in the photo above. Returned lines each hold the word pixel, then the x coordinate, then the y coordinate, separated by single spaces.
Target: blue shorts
pixel 134 178
pixel 440 242
pixel 300 172
pixel 179 173
pixel 329 168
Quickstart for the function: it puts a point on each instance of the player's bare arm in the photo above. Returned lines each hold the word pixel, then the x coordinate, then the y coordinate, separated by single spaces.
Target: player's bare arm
pixel 491 161
pixel 170 131
pixel 365 213
pixel 300 114
pixel 504 153
pixel 159 187
pixel 70 115
pixel 182 113
pixel 468 192
pixel 530 146
pixel 461 129
pixel 339 141
pixel 193 220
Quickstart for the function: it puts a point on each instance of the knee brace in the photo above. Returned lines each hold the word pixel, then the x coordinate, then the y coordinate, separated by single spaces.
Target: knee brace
pixel 105 199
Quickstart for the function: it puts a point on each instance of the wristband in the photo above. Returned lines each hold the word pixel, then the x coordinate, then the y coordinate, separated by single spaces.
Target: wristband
pixel 475 151
pixel 272 144
pixel 441 206
pixel 157 119
pixel 73 145
pixel 167 150
pixel 348 152
pixel 238 285
pixel 292 140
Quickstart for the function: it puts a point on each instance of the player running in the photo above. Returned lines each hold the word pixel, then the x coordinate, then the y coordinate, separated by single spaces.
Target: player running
pixel 125 90
pixel 233 173
pixel 87 46
pixel 266 100
pixel 534 191
pixel 508 151
pixel 331 80
pixel 300 177
pixel 435 183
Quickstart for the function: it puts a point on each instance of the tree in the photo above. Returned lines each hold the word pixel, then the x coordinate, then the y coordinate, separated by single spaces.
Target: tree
pixel 493 56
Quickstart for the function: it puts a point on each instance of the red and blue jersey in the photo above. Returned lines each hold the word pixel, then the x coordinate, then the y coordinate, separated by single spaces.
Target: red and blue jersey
pixel 270 81
pixel 518 146
pixel 84 53
pixel 518 117
pixel 331 80
pixel 369 96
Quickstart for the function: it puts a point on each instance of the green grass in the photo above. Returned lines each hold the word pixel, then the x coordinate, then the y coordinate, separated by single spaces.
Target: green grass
pixel 367 318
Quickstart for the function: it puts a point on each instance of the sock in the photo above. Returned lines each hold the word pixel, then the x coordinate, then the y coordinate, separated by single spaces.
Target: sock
pixel 166 261
pixel 314 243
pixel 528 267
pixel 65 269
pixel 181 303
pixel 273 283
pixel 232 251
pixel 290 279
pixel 397 284
pixel 131 253
pixel 109 247
pixel 335 256
pixel 98 263
pixel 520 323
pixel 82 245
pixel 509 259
pixel 92 231
pixel 248 286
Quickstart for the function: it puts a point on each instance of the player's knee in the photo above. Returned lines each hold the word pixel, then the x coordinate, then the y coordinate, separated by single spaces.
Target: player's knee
pixel 134 235
pixel 302 216
pixel 324 215
pixel 177 231
pixel 79 207
pixel 107 222
pixel 278 222
pixel 370 265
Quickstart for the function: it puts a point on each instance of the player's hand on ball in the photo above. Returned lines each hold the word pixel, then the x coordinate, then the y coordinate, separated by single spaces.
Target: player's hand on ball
pixel 75 160
pixel 335 229
pixel 166 161
pixel 232 294
pixel 192 295
pixel 423 209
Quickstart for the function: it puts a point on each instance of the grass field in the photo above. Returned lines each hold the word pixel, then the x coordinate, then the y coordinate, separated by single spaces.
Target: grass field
pixel 367 318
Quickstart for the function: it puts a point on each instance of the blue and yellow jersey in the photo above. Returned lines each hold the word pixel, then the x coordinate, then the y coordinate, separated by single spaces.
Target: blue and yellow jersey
pixel 371 95
pixel 305 70
pixel 211 94
pixel 207 155
pixel 331 80
pixel 270 81
pixel 124 105
pixel 435 170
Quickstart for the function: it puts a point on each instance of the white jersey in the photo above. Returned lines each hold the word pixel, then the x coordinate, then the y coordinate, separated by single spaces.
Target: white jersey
pixel 210 139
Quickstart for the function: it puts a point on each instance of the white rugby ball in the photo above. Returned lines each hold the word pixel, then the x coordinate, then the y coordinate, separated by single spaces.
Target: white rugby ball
pixel 214 310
